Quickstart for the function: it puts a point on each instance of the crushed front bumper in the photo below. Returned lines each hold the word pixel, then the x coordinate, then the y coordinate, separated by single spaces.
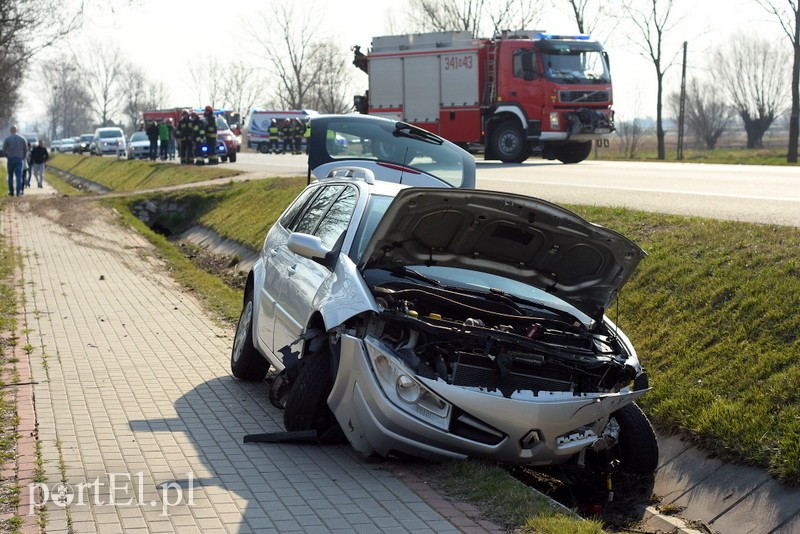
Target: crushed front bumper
pixel 542 429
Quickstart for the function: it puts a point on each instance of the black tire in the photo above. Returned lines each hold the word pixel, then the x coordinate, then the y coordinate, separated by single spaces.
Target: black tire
pixel 246 362
pixel 637 447
pixel 232 157
pixel 509 143
pixel 307 403
pixel 570 153
pixel 263 148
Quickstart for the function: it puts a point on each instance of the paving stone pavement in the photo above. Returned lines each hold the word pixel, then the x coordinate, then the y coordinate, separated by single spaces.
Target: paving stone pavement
pixel 140 419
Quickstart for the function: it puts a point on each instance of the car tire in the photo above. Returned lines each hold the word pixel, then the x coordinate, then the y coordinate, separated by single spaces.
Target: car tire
pixel 263 148
pixel 232 157
pixel 246 362
pixel 637 446
pixel 307 402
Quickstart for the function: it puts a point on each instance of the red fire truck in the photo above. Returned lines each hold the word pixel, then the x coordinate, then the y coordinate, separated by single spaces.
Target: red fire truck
pixel 516 94
pixel 228 126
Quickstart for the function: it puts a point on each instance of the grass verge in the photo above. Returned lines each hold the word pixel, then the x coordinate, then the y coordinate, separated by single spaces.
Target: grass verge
pixel 725 156
pixel 9 489
pixel 128 175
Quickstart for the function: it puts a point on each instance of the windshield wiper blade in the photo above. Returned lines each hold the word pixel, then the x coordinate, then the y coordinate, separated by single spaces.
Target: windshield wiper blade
pixel 406 130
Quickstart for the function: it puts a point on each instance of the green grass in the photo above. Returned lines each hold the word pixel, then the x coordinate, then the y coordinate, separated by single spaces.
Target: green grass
pixel 9 493
pixel 730 156
pixel 125 175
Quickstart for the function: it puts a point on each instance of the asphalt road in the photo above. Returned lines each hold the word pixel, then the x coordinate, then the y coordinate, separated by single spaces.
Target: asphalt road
pixel 752 193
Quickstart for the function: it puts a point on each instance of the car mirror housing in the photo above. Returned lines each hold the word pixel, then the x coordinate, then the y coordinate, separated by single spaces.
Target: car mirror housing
pixel 309 246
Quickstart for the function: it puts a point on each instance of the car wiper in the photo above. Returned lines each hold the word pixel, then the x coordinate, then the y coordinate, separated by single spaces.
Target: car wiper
pixel 411 273
pixel 406 130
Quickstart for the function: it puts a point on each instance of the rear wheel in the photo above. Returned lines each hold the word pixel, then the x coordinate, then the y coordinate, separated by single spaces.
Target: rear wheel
pixel 509 143
pixel 232 156
pixel 246 362
pixel 263 148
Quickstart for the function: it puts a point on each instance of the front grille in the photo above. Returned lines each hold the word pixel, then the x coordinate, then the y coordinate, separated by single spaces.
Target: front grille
pixel 581 97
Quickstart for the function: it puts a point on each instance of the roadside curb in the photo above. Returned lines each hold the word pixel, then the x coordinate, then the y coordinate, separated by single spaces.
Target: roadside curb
pixel 24 463
pixel 659 522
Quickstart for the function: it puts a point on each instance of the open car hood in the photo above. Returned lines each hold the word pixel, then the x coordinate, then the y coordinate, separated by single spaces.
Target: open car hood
pixel 521 238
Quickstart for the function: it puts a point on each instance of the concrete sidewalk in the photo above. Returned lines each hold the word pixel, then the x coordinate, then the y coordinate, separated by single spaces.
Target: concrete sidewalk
pixel 140 422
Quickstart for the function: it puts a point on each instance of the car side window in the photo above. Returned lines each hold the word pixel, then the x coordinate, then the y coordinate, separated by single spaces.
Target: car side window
pixel 291 214
pixel 337 218
pixel 316 209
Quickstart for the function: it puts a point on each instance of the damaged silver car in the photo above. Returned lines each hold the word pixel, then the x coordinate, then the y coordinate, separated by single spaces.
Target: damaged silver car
pixel 412 314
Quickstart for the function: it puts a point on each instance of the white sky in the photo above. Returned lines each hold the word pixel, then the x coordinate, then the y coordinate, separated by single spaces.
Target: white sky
pixel 165 36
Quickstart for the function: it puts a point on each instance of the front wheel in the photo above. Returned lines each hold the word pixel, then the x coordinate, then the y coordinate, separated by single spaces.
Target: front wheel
pixel 306 405
pixel 509 143
pixel 636 447
pixel 232 157
pixel 246 362
pixel 572 152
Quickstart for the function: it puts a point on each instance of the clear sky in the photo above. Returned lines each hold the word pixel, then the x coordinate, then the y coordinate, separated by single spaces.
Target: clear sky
pixel 164 36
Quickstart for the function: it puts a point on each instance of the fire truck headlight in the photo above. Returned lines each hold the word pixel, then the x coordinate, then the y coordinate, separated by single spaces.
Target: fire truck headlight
pixel 555 123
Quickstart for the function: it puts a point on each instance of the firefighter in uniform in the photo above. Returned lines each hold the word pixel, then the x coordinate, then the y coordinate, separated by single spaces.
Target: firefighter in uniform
pixel 185 135
pixel 211 135
pixel 297 134
pixel 286 135
pixel 199 129
pixel 307 134
pixel 274 134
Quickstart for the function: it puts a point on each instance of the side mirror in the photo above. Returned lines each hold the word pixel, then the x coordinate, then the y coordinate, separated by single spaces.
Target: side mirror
pixel 311 247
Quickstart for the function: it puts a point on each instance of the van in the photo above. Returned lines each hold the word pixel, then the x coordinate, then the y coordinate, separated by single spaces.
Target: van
pixel 258 127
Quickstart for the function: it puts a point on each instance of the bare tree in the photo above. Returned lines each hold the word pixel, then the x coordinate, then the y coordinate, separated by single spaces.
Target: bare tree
pixel 288 50
pixel 788 14
pixel 68 101
pixel 26 28
pixel 330 93
pixel 589 16
pixel 707 115
pixel 140 94
pixel 102 71
pixel 652 20
pixel 630 134
pixel 208 82
pixel 474 16
pixel 240 88
pixel 752 72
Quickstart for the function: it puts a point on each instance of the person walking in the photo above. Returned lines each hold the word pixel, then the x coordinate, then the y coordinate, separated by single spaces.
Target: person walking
pixel 185 135
pixel 27 172
pixel 15 147
pixel 39 157
pixel 152 135
pixel 163 140
pixel 211 135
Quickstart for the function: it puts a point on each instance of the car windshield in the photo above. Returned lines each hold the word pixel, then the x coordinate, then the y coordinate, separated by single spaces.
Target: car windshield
pixel 108 134
pixel 395 143
pixel 221 124
pixel 376 207
pixel 138 136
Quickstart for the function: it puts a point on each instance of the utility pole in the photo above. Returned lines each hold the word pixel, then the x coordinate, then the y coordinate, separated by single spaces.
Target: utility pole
pixel 682 111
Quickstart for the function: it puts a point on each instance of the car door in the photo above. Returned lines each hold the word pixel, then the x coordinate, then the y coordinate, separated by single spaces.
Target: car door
pixel 327 217
pixel 275 262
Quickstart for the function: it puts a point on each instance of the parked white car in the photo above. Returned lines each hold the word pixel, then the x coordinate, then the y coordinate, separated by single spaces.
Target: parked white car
pixel 411 313
pixel 110 140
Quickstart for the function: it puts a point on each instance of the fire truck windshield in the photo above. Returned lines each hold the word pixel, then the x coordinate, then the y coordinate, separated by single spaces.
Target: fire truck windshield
pixel 585 67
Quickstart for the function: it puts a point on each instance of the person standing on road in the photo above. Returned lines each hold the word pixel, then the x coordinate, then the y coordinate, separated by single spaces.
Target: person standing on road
pixel 185 135
pixel 211 135
pixel 27 172
pixel 152 135
pixel 199 129
pixel 163 139
pixel 274 135
pixel 39 157
pixel 15 147
pixel 171 142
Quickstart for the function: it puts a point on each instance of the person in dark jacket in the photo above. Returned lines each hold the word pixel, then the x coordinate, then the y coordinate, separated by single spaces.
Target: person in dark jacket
pixel 15 148
pixel 185 136
pixel 274 136
pixel 152 135
pixel 199 130
pixel 211 135
pixel 39 157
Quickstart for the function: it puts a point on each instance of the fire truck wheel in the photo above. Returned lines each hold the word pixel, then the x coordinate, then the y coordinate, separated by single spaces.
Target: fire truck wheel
pixel 573 152
pixel 263 148
pixel 509 143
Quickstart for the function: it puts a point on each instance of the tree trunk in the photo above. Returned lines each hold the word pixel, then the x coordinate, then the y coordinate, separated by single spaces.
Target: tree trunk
pixel 794 116
pixel 662 154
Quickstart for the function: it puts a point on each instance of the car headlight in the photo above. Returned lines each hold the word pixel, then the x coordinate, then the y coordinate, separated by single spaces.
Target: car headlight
pixel 406 392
